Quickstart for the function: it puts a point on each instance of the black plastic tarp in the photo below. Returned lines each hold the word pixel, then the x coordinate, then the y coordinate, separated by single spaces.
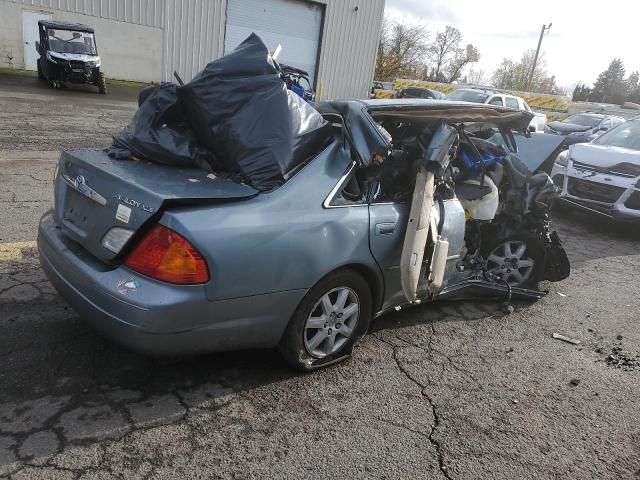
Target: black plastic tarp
pixel 236 116
pixel 240 108
pixel 159 133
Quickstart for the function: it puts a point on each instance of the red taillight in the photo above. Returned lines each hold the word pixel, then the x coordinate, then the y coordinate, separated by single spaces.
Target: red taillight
pixel 167 256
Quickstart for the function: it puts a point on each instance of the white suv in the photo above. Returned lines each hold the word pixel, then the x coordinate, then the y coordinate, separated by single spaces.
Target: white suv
pixel 477 95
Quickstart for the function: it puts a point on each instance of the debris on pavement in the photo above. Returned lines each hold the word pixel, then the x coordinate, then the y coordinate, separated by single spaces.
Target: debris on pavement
pixel 561 294
pixel 564 338
pixel 575 382
pixel 624 360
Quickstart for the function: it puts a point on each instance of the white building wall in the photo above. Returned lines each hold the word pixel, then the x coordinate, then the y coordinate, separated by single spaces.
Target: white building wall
pixel 129 50
pixel 194 35
pixel 349 45
pixel 148 39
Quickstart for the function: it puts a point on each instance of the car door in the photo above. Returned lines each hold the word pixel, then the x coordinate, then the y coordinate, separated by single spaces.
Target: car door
pixel 388 222
pixel 496 100
pixel 512 102
pixel 399 230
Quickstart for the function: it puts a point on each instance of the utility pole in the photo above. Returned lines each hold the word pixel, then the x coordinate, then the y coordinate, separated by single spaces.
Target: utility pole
pixel 545 28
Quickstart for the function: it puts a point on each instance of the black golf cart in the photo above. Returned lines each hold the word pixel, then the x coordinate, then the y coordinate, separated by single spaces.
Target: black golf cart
pixel 68 53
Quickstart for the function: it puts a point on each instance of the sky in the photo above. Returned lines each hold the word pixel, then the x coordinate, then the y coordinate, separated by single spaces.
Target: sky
pixel 585 36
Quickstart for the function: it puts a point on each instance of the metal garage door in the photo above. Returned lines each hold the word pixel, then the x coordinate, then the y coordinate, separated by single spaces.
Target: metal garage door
pixel 295 24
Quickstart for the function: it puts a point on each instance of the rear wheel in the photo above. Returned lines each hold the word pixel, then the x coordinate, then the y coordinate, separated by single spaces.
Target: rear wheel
pixel 331 318
pixel 101 83
pixel 518 260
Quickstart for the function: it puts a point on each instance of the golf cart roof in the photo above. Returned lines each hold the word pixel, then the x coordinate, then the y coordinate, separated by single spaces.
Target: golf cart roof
pixel 60 25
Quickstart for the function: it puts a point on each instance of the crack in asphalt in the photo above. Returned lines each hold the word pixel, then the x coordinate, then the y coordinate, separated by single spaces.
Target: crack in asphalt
pixel 434 411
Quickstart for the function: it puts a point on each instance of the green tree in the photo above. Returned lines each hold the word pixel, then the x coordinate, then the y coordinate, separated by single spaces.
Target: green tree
pixel 611 87
pixel 633 83
pixel 581 93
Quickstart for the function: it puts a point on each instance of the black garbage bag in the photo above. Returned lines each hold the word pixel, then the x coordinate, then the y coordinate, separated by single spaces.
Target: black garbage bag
pixel 159 133
pixel 240 109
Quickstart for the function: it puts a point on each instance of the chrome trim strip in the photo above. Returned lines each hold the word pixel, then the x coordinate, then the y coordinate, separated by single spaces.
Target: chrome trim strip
pixel 336 189
pixel 79 185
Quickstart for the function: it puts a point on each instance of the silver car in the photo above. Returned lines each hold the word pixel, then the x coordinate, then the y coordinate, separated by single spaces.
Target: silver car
pixel 603 176
pixel 169 260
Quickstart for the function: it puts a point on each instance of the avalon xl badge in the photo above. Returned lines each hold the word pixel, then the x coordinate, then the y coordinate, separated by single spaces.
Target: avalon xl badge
pixel 81 186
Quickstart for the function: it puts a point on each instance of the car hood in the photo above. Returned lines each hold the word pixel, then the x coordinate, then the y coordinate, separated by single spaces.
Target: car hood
pixel 539 150
pixel 609 159
pixel 568 127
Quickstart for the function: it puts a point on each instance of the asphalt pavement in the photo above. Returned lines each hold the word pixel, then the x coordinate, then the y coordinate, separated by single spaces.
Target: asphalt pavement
pixel 450 390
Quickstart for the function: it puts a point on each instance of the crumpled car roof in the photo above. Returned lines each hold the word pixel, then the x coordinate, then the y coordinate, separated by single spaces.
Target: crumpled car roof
pixel 358 114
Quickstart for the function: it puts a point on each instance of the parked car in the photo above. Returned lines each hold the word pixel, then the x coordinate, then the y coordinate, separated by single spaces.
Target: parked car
pixel 377 85
pixel 68 53
pixel 583 127
pixel 603 176
pixel 477 95
pixel 419 92
pixel 167 260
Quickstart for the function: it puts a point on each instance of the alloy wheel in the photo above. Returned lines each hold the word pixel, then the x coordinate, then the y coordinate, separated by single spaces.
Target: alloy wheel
pixel 332 322
pixel 510 262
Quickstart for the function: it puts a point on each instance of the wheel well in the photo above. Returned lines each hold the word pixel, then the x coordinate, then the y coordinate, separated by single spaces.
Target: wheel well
pixel 373 281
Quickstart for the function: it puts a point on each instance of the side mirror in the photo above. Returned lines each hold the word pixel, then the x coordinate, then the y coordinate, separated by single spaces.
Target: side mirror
pixel 603 129
pixel 38 48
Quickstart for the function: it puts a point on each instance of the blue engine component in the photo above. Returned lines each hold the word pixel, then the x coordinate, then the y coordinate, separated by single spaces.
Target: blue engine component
pixel 473 163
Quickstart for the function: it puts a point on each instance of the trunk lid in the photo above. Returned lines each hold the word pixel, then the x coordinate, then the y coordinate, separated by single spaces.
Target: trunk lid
pixel 94 193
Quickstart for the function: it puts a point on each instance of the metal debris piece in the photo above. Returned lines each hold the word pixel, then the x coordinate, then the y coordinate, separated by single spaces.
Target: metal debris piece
pixel 561 294
pixel 564 338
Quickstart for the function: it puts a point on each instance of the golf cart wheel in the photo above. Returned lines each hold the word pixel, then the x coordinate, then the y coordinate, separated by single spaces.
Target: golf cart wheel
pixel 331 318
pixel 102 84
pixel 40 74
pixel 518 260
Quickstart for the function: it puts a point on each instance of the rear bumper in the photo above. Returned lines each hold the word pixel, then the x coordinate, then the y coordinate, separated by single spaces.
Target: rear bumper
pixel 154 317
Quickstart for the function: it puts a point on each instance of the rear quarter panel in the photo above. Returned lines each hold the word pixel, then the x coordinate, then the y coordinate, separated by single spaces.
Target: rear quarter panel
pixel 278 241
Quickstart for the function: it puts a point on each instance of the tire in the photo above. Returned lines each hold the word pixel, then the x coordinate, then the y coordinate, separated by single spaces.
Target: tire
pixel 519 268
pixel 101 83
pixel 319 334
pixel 40 74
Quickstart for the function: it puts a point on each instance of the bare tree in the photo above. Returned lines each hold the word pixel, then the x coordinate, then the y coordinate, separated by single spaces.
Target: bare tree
pixel 445 46
pixel 514 75
pixel 462 58
pixel 477 76
pixel 402 50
